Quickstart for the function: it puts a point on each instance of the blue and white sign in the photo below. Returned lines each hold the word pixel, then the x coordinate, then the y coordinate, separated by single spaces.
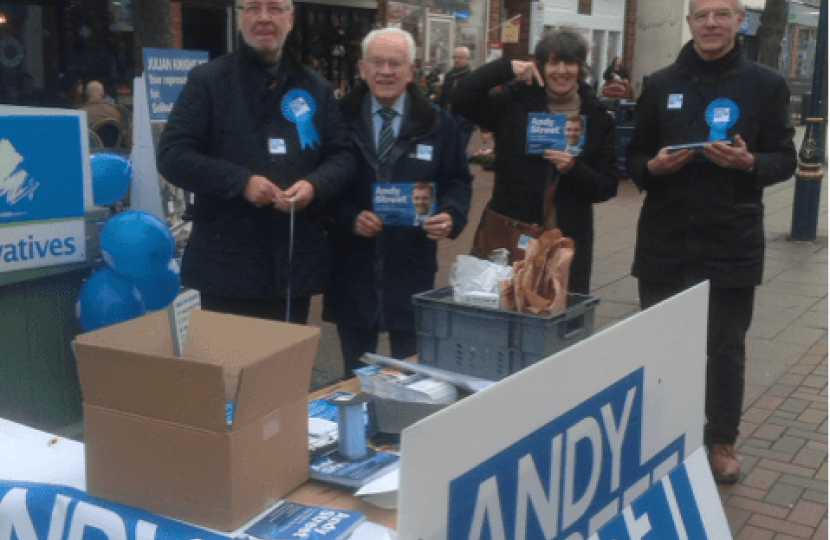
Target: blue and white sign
pixel 685 504
pixel 31 511
pixel 557 450
pixel 554 131
pixel 44 189
pixel 404 203
pixel 165 71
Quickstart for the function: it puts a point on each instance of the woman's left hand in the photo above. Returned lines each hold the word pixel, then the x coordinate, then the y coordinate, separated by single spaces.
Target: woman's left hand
pixel 563 159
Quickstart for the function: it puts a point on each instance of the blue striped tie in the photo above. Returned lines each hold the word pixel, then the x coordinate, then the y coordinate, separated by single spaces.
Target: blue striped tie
pixel 387 138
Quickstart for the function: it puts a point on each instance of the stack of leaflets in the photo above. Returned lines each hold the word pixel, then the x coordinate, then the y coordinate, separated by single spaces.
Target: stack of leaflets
pixel 354 474
pixel 389 383
pixel 290 520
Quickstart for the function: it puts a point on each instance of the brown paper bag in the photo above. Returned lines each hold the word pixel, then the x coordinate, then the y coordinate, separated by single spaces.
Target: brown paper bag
pixel 540 282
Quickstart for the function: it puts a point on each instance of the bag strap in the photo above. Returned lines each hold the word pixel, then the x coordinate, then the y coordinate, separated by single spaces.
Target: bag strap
pixel 550 218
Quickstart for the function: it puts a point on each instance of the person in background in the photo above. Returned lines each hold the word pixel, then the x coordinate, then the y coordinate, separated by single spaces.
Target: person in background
pixel 97 107
pixel 258 138
pixel 400 137
pixel 615 71
pixel 702 218
pixel 558 189
pixel 73 95
pixel 461 68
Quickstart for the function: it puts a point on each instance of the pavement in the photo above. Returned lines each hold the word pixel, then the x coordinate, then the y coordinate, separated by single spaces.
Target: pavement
pixel 782 494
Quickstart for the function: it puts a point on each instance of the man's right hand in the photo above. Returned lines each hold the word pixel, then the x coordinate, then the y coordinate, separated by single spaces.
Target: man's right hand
pixel 367 224
pixel 259 191
pixel 666 162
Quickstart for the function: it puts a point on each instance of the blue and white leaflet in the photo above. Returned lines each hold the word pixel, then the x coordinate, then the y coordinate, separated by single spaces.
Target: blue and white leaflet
pixel 404 203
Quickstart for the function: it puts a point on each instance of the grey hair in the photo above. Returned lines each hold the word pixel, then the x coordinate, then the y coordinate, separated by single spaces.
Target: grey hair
pixel 410 43
pixel 287 4
pixel 737 4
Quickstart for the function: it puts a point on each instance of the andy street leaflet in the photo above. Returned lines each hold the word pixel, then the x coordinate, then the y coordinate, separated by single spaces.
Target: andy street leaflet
pixel 555 131
pixel 404 203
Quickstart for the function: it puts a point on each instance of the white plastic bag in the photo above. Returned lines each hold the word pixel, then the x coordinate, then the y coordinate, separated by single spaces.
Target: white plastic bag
pixel 476 281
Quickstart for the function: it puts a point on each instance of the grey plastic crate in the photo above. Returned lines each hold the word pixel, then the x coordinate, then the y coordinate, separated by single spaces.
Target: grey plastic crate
pixel 494 343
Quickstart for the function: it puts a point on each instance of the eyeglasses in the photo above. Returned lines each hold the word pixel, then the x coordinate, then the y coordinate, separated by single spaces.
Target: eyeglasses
pixel 721 15
pixel 273 10
pixel 393 64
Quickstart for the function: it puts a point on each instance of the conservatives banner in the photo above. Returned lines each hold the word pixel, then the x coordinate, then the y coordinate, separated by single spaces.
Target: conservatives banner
pixel 43 179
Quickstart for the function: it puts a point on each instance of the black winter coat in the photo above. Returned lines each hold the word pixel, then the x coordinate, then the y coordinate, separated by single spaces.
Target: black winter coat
pixel 521 180
pixel 216 138
pixel 705 221
pixel 451 79
pixel 374 278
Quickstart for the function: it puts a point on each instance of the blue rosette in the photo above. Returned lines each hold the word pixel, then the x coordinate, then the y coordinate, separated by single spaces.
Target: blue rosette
pixel 298 107
pixel 721 115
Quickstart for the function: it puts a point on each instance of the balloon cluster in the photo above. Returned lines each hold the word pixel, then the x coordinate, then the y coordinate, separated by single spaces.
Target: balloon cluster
pixel 141 274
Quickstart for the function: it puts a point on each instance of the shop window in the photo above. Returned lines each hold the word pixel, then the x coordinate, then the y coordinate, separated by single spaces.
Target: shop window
pixel 328 38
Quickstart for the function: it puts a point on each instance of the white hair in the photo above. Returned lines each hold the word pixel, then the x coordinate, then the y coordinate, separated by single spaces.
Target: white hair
pixel 737 4
pixel 410 43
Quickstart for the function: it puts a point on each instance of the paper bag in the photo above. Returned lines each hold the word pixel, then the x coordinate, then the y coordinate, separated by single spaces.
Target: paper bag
pixel 540 282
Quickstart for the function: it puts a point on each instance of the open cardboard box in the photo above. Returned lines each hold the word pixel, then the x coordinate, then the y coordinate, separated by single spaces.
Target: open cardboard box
pixel 155 426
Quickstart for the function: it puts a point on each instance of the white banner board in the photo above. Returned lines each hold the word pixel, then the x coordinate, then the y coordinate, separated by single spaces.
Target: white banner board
pixel 559 449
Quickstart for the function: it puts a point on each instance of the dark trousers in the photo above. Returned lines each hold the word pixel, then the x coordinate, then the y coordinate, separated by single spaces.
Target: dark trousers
pixel 271 308
pixel 730 314
pixel 356 341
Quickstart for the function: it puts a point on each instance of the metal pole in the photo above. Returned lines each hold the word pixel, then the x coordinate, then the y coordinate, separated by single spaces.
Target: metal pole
pixel 812 154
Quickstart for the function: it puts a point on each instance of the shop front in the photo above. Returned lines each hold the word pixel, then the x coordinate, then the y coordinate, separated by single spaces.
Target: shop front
pixel 438 27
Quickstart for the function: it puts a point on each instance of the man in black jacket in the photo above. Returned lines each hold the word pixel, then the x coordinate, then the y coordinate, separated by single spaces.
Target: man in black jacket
pixel 402 140
pixel 261 142
pixel 702 218
pixel 460 68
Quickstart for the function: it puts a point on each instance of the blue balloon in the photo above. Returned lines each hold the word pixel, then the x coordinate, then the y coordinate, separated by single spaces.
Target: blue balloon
pixel 107 298
pixel 137 244
pixel 111 175
pixel 159 290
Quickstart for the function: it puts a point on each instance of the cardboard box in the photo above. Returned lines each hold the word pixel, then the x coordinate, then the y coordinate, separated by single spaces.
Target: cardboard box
pixel 155 427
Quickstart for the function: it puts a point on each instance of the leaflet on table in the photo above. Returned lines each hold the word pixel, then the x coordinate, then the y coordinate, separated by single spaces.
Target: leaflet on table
pixel 555 131
pixel 404 203
pixel 464 382
pixel 353 474
pixel 383 491
pixel 391 383
pixel 322 424
pixel 289 520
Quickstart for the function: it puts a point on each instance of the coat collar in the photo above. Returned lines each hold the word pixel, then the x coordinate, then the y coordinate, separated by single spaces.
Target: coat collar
pixel 422 115
pixel 689 60
pixel 250 59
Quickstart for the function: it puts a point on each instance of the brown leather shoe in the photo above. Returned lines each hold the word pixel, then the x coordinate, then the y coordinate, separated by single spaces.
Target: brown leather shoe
pixel 726 468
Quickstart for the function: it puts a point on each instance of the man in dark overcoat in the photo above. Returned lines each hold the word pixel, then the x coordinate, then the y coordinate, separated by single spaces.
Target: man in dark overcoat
pixel 703 215
pixel 261 142
pixel 401 138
